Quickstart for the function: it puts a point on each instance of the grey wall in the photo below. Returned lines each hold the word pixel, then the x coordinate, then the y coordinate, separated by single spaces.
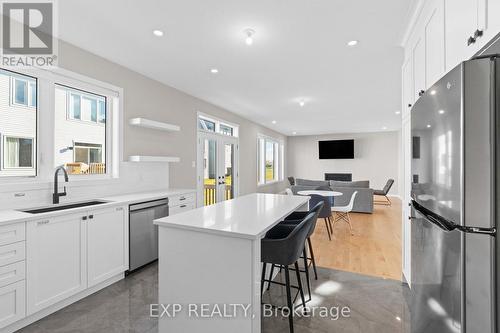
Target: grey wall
pixel 376 158
pixel 144 97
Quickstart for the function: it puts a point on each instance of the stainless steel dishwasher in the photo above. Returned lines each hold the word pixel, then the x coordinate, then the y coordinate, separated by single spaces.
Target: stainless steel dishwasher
pixel 143 234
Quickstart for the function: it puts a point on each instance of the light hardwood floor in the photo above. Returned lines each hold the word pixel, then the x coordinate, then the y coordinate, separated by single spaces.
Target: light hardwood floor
pixel 374 249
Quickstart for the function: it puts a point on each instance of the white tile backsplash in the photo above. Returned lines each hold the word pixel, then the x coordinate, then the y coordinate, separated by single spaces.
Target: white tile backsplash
pixel 134 177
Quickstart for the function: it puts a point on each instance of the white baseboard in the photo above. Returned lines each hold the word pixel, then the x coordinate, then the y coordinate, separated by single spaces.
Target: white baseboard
pixel 62 304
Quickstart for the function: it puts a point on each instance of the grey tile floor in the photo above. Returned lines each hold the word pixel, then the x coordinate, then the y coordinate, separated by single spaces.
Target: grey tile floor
pixel 376 305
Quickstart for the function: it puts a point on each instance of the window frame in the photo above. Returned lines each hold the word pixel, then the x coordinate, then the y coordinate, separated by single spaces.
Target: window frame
pixel 88 95
pixel 81 145
pixel 217 122
pixel 16 76
pixel 46 79
pixel 33 143
pixel 278 160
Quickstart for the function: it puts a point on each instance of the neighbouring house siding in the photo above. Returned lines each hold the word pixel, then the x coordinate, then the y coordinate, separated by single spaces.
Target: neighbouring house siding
pixel 15 120
pixel 68 131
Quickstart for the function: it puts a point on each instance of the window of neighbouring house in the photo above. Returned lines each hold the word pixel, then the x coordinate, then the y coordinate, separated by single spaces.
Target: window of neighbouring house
pixel 18 153
pixel 23 91
pixel 271 160
pixel 80 135
pixel 18 124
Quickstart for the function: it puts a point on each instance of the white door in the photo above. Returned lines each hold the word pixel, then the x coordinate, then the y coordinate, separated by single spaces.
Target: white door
pixel 217 168
pixel 56 260
pixel 107 237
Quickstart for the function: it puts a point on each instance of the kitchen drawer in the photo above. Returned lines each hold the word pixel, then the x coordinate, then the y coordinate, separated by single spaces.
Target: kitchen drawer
pixel 12 303
pixel 12 233
pixel 181 199
pixel 12 253
pixel 12 273
pixel 181 208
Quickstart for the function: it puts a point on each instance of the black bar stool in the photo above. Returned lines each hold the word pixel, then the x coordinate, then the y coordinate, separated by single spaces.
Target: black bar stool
pixel 293 222
pixel 283 246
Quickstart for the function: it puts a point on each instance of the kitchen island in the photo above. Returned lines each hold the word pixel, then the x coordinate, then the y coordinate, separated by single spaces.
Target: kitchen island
pixel 209 264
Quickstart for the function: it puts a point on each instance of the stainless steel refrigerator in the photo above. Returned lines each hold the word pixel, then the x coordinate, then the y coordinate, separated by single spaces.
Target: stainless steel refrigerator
pixel 455 200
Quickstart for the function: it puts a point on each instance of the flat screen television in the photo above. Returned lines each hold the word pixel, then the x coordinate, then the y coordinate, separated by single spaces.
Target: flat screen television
pixel 336 149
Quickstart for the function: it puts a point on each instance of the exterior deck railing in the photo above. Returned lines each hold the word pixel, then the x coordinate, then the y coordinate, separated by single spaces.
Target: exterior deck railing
pixel 209 194
pixel 85 169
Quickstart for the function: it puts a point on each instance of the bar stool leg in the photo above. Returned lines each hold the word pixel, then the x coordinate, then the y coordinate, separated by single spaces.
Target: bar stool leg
pixel 299 281
pixel 312 258
pixel 307 273
pixel 270 276
pixel 289 298
pixel 328 229
pixel 262 279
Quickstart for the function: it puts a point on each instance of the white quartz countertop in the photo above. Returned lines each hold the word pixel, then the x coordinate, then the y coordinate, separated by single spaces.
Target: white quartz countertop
pixel 12 216
pixel 249 216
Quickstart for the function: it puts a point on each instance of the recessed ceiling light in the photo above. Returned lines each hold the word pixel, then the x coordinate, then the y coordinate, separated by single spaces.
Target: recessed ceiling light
pixel 302 103
pixel 397 112
pixel 433 92
pixel 352 43
pixel 441 111
pixel 384 128
pixel 398 318
pixel 249 33
pixel 294 133
pixel 158 33
pixel 429 126
pixel 214 71
pixel 274 121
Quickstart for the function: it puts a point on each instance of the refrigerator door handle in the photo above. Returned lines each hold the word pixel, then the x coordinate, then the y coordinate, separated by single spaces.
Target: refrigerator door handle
pixel 448 225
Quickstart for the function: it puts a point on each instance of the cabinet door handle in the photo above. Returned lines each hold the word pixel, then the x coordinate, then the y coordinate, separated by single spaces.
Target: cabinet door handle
pixel 421 92
pixel 91 217
pixel 84 218
pixel 119 208
pixel 409 105
pixel 42 222
pixel 478 33
pixel 182 206
pixel 182 198
pixel 471 41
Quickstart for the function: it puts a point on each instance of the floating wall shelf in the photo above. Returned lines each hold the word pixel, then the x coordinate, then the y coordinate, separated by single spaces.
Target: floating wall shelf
pixel 140 158
pixel 147 123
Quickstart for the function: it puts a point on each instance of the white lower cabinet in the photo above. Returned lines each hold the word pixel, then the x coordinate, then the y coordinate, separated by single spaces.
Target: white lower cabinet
pixel 55 260
pixel 12 303
pixel 107 243
pixel 181 208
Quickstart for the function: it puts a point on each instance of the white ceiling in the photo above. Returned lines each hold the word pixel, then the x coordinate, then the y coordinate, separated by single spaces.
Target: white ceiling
pixel 299 51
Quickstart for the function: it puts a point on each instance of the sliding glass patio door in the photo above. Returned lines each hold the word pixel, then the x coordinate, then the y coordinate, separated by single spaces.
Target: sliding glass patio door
pixel 217 168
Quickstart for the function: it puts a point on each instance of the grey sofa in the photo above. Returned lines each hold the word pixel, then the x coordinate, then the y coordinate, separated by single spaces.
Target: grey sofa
pixel 364 199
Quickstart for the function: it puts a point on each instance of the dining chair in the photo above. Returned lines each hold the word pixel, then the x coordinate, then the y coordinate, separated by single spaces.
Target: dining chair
pixel 342 212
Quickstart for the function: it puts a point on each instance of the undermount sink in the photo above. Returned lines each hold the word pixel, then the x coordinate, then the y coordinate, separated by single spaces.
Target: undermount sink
pixel 64 206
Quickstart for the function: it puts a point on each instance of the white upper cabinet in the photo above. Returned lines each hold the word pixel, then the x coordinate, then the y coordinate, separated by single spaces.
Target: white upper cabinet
pixel 419 68
pixel 470 25
pixel 408 88
pixel 461 24
pixel 434 31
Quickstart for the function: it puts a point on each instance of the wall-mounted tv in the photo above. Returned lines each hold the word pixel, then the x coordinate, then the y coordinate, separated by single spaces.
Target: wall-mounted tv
pixel 336 149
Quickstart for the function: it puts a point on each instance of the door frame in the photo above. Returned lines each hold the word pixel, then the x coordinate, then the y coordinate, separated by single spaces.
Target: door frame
pixel 221 141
